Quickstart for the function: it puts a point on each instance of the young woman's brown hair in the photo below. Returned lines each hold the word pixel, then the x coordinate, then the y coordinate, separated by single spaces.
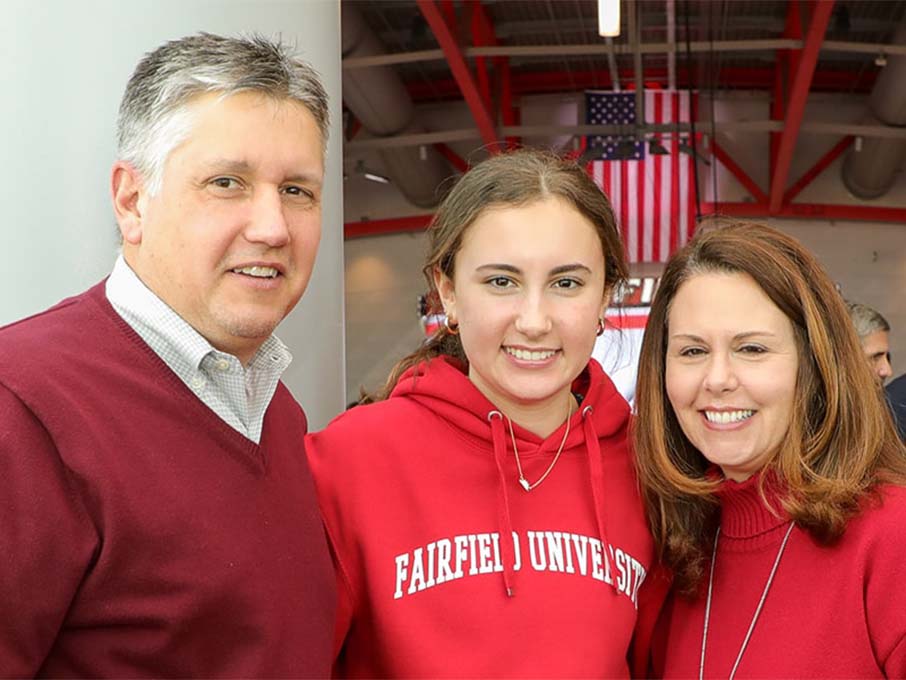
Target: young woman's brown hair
pixel 511 179
pixel 841 441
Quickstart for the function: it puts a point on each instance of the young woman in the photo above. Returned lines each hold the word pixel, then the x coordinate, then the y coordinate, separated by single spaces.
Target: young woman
pixel 485 518
pixel 770 468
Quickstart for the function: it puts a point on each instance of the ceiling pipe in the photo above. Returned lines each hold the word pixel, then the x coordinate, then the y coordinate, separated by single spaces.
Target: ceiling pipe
pixel 671 45
pixel 378 98
pixel 612 65
pixel 560 51
pixel 871 171
pixel 635 35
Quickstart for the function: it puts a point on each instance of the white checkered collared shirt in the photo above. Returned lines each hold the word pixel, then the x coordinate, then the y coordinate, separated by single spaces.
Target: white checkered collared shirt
pixel 239 395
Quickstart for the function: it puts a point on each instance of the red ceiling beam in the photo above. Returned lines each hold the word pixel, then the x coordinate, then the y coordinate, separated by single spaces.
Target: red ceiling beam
pixel 484 33
pixel 460 71
pixel 509 112
pixel 817 169
pixel 480 38
pixel 353 128
pixel 396 225
pixel 786 63
pixel 777 106
pixel 553 81
pixel 815 211
pixel 798 95
pixel 448 9
pixel 452 157
pixel 740 174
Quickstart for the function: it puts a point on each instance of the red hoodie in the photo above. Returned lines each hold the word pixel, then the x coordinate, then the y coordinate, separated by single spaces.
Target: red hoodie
pixel 431 530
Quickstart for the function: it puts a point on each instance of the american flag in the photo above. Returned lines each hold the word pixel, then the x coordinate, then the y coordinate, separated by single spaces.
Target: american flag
pixel 653 196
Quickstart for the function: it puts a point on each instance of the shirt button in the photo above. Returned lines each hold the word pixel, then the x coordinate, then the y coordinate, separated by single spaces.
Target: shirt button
pixel 197 382
pixel 223 364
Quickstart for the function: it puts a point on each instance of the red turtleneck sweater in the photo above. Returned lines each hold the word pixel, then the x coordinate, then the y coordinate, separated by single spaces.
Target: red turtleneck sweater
pixel 831 612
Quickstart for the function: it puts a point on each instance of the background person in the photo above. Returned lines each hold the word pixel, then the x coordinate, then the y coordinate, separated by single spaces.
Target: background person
pixel 770 468
pixel 484 516
pixel 896 399
pixel 157 516
pixel 874 335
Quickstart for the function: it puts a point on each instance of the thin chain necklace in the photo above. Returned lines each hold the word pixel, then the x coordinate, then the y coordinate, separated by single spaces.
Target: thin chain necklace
pixel 522 480
pixel 764 595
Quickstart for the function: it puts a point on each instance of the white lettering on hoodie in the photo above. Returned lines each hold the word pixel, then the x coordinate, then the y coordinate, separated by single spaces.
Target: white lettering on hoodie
pixel 469 555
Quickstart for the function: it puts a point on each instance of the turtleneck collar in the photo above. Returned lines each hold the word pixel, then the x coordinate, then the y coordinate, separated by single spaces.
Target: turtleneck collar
pixel 744 513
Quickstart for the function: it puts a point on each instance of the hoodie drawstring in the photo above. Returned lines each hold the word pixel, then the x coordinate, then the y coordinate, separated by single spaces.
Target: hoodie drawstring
pixel 507 542
pixel 596 472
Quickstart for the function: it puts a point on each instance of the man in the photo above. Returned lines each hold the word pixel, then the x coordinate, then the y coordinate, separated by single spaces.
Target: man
pixel 157 516
pixel 874 334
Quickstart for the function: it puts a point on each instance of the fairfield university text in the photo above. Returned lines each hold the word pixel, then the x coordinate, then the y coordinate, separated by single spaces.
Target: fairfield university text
pixel 449 559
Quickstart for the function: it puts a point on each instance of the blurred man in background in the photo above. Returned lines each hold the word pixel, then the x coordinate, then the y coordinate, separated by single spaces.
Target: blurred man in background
pixel 874 334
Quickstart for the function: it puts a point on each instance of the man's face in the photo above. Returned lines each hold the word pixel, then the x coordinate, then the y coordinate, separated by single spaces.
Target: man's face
pixel 876 347
pixel 229 241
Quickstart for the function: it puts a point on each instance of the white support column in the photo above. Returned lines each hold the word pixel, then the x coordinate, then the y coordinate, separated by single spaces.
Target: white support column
pixel 63 68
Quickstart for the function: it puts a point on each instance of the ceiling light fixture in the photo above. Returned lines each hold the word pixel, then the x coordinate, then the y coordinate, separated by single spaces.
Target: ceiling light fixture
pixel 608 18
pixel 360 169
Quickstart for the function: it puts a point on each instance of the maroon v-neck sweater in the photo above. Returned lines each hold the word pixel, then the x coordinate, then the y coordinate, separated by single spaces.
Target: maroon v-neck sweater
pixel 140 535
pixel 831 612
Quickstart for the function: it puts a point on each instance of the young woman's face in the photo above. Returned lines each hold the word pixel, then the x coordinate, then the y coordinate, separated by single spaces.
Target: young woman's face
pixel 731 370
pixel 527 292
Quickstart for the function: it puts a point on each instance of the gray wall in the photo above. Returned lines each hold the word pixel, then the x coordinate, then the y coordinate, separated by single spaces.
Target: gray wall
pixel 63 67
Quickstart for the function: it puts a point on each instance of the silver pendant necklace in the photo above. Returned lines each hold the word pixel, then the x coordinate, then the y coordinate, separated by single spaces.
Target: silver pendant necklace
pixel 764 595
pixel 523 482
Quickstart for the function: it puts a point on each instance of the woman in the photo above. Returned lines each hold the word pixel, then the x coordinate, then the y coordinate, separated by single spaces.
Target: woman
pixel 770 469
pixel 485 518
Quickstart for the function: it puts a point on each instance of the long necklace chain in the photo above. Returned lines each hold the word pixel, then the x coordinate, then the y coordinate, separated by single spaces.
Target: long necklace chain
pixel 764 595
pixel 522 480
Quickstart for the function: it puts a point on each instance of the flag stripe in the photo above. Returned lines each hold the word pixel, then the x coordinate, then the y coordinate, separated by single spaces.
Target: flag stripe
pixel 674 176
pixel 655 186
pixel 665 215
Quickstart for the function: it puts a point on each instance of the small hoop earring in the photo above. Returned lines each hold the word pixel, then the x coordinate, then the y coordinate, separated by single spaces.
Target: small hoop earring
pixel 600 330
pixel 452 328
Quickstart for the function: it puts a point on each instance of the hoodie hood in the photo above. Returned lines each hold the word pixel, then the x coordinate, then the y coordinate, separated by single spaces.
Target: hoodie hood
pixel 442 386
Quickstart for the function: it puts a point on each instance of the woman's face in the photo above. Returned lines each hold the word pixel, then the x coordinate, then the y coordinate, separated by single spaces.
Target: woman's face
pixel 527 292
pixel 731 370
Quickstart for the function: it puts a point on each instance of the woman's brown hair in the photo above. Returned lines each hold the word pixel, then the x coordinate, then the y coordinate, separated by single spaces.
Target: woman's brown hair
pixel 841 441
pixel 513 179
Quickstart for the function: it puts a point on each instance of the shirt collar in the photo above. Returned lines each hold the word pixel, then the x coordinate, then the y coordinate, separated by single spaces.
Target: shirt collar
pixel 163 329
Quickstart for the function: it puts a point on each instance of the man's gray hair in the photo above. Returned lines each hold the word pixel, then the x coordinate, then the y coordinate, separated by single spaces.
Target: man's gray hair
pixel 866 320
pixel 154 117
